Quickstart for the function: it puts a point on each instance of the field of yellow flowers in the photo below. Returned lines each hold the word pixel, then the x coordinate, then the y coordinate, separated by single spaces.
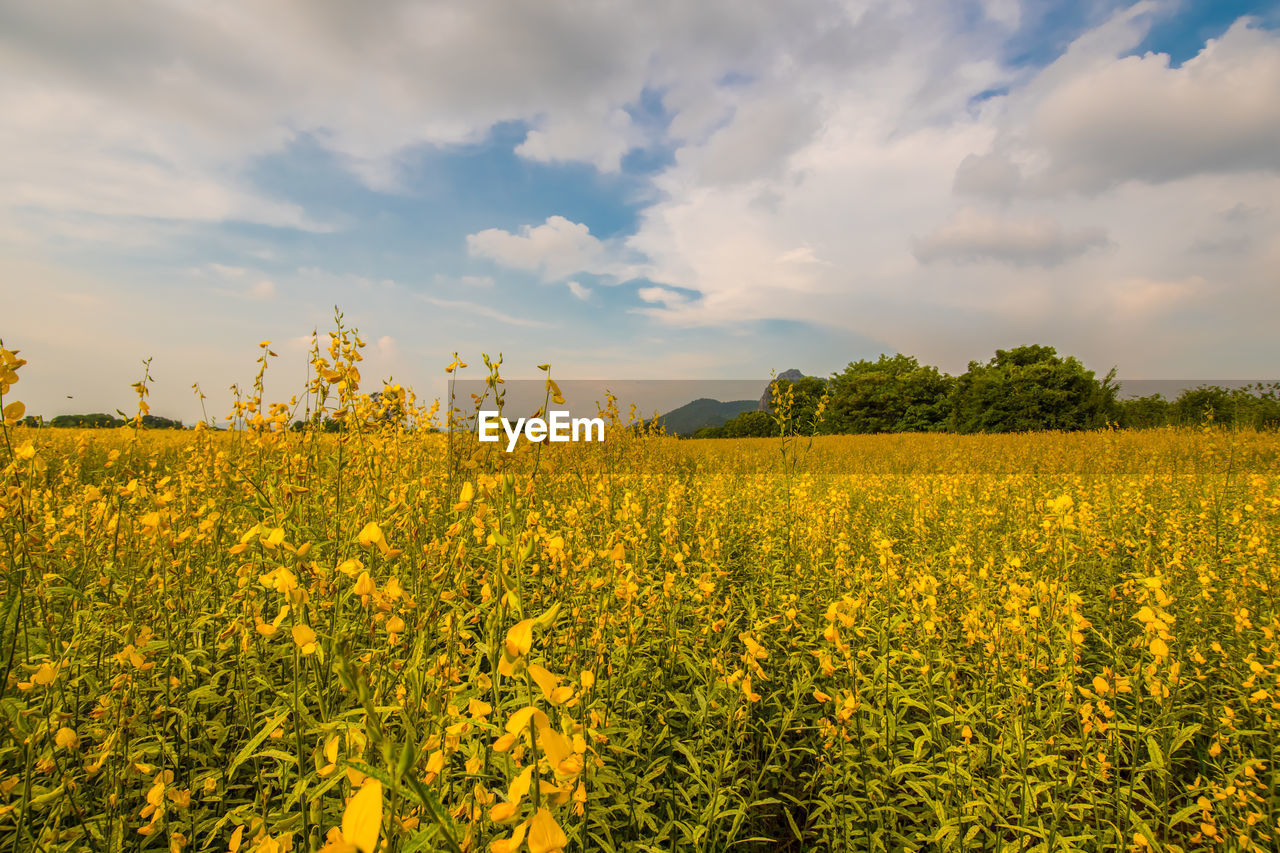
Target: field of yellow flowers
pixel 382 639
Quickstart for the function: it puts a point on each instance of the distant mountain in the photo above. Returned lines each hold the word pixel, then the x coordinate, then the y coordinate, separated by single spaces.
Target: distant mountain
pixel 766 399
pixel 703 412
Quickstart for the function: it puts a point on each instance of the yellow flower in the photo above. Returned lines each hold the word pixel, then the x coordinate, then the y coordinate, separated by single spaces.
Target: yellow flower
pixel 45 675
pixel 549 683
pixel 370 535
pixel 67 738
pixel 280 579
pixel 305 638
pixel 545 835
pixel 512 844
pixel 269 630
pixel 361 822
pixel 503 812
pixel 517 644
pixel 464 499
pixel 519 721
pixel 331 756
pixel 435 763
pixel 1060 505
pixel 364 585
pixel 519 638
pixel 754 649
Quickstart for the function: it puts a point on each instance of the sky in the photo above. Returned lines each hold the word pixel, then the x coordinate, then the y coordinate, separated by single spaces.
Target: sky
pixel 657 189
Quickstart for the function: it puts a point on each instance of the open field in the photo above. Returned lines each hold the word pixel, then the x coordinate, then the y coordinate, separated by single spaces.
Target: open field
pixel 1053 641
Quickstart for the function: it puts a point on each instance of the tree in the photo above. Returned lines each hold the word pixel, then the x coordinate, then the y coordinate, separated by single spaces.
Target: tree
pixel 97 420
pixel 801 399
pixel 1032 388
pixel 750 425
pixel 1144 412
pixel 891 394
pixel 1256 406
pixel 157 422
pixel 1265 408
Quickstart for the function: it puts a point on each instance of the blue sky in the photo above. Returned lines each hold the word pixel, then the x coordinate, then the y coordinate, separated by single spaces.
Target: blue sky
pixel 635 190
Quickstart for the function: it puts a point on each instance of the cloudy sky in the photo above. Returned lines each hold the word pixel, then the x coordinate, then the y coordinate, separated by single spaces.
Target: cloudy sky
pixel 633 189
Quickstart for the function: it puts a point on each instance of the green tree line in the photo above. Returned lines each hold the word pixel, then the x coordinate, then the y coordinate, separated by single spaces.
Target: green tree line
pixel 99 420
pixel 1022 389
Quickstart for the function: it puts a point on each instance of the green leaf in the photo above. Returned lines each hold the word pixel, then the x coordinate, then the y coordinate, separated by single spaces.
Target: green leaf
pixel 1183 814
pixel 247 751
pixel 1185 735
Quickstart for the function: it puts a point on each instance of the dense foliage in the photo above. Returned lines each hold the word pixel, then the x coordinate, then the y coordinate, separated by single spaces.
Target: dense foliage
pixel 1255 406
pixel 891 394
pixel 1024 389
pixel 266 639
pixel 98 420
pixel 1029 388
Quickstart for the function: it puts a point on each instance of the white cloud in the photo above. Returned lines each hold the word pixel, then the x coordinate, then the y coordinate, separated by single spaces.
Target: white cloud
pixel 555 250
pixel 77 151
pixel 1006 12
pixel 800 255
pixel 662 296
pixel 1094 119
pixel 756 144
pixel 263 290
pixel 601 140
pixel 579 290
pixel 154 109
pixel 971 235
pixel 992 174
pixel 811 143
pixel 1087 241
